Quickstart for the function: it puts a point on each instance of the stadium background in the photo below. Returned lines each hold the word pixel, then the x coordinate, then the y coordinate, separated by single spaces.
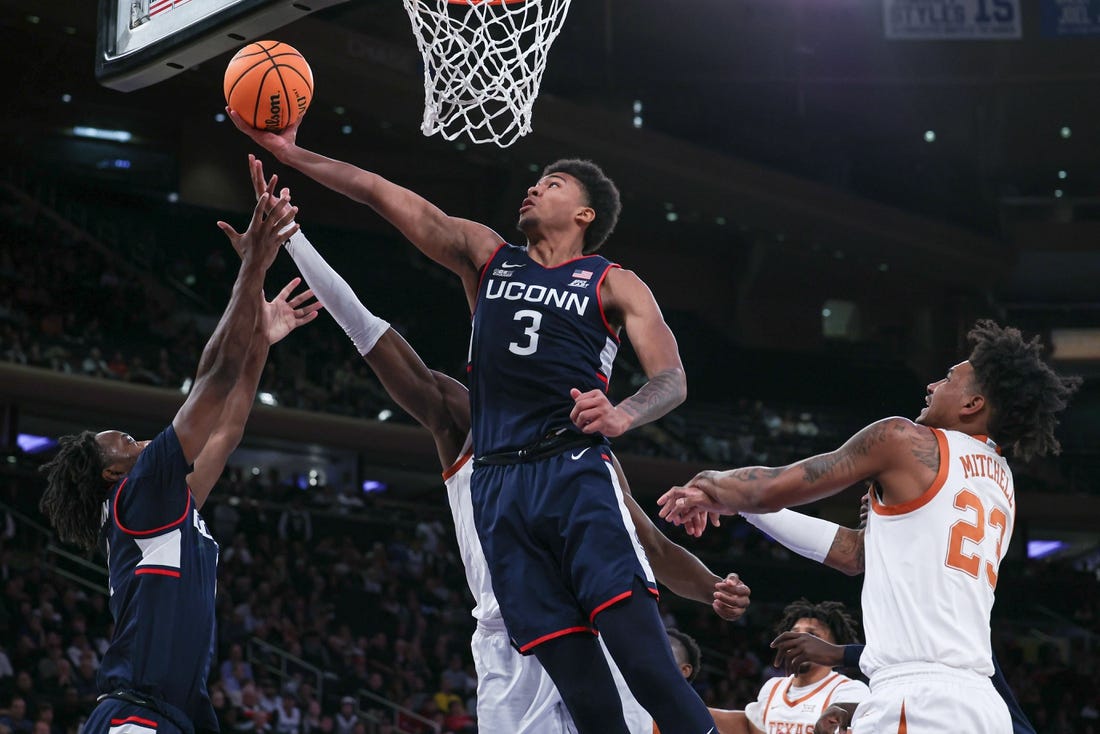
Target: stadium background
pixel 821 212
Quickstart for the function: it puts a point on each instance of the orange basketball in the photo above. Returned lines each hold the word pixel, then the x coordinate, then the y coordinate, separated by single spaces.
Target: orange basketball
pixel 269 84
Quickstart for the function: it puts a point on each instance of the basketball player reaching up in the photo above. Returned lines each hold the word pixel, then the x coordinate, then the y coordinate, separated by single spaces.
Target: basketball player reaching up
pixel 143 498
pixel 547 316
pixel 942 512
pixel 514 692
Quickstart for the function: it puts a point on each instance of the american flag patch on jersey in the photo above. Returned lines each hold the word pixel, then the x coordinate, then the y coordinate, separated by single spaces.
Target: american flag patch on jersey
pixel 582 274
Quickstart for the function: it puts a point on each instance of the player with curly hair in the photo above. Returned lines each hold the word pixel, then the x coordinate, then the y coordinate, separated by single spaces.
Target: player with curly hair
pixel 942 511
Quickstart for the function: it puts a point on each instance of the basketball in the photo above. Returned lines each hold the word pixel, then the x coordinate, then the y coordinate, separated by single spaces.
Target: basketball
pixel 269 84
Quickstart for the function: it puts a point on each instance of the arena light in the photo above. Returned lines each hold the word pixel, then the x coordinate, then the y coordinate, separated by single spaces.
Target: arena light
pixel 1043 548
pixel 385 414
pixel 267 398
pixel 32 444
pixel 98 133
pixel 373 485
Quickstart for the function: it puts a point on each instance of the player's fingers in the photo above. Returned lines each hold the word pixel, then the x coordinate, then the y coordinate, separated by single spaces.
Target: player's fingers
pixel 574 393
pixel 288 289
pixel 258 212
pixel 714 519
pixel 301 298
pixel 231 233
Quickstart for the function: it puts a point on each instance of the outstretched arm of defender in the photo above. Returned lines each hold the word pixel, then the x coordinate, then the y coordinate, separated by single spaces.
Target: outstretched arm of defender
pixel 679 569
pixel 887 450
pixel 224 356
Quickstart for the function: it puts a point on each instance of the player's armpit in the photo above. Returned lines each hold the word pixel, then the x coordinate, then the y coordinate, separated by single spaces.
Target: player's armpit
pixel 630 302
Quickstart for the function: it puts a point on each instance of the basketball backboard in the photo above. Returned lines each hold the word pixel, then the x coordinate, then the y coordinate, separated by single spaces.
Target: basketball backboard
pixel 141 42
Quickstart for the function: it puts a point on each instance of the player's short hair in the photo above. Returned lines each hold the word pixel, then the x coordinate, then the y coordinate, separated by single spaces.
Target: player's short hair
pixel 603 197
pixel 1025 395
pixel 691 651
pixel 832 614
pixel 75 490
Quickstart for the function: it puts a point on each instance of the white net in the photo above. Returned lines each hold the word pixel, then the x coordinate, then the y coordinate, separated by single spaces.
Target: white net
pixel 483 63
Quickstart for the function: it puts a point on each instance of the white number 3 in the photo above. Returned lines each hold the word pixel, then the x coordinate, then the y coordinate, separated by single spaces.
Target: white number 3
pixel 531 331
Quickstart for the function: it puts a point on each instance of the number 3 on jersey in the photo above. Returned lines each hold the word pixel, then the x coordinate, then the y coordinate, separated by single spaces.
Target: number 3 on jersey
pixel 531 332
pixel 961 531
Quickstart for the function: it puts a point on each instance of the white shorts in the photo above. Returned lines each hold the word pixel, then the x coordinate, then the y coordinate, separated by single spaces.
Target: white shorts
pixel 515 694
pixel 933 699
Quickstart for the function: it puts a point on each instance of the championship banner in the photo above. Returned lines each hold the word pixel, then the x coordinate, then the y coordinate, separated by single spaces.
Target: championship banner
pixel 1061 18
pixel 952 20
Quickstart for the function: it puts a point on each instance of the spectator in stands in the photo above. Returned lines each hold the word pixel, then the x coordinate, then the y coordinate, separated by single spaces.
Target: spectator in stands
pixel 346 717
pixel 15 718
pixel 287 716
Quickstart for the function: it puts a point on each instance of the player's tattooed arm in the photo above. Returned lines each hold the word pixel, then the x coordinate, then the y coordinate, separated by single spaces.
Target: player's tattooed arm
pixel 664 391
pixel 846 552
pixel 880 447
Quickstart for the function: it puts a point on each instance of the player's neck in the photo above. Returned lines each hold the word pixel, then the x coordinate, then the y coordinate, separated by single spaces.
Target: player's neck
pixel 815 674
pixel 554 249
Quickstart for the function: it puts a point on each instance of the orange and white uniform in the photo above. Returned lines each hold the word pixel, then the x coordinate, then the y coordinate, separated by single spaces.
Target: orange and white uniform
pixel 514 692
pixel 930 575
pixel 784 708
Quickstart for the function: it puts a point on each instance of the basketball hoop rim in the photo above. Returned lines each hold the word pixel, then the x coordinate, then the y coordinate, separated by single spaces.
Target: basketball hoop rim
pixel 485 2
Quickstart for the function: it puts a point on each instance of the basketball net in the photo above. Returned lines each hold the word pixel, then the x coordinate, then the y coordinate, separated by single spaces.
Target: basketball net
pixel 483 63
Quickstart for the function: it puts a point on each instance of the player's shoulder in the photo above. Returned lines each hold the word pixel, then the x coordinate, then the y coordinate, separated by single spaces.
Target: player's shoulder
pixel 770 685
pixel 896 430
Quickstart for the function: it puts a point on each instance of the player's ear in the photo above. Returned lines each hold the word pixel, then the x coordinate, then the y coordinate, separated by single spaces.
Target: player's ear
pixel 585 215
pixel 972 405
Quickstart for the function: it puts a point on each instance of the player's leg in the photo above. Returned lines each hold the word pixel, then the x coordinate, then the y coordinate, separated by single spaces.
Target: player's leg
pixel 635 636
pixel 577 665
pixel 513 691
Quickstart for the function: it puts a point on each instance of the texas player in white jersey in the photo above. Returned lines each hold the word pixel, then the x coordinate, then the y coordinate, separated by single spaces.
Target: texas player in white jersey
pixel 942 513
pixel 514 692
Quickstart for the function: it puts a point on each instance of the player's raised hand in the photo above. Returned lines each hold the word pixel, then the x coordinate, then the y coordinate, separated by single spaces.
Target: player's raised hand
pixel 795 649
pixel 261 241
pixel 593 413
pixel 731 598
pixel 285 313
pixel 277 143
pixel 259 184
pixel 694 504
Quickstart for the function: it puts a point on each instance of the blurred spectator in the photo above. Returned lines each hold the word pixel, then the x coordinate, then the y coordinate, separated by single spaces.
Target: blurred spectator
pixel 346 718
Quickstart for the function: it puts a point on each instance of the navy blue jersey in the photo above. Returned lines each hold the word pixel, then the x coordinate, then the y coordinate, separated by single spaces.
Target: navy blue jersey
pixel 537 333
pixel 163 565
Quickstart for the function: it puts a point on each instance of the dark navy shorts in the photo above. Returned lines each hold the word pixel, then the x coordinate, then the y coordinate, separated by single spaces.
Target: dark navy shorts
pixel 559 541
pixel 112 716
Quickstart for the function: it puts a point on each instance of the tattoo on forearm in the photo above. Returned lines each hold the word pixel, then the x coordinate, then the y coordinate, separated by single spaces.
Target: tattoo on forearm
pixel 755 473
pixel 847 550
pixel 663 392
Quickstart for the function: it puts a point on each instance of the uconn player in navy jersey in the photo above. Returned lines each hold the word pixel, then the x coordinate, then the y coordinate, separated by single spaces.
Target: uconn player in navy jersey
pixel 562 551
pixel 143 499
pixel 513 693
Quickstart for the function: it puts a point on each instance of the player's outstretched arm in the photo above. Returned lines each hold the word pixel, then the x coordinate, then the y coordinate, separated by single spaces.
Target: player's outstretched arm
pixel 284 313
pixel 887 451
pixel 679 569
pixel 457 244
pixel 225 354
pixel 630 302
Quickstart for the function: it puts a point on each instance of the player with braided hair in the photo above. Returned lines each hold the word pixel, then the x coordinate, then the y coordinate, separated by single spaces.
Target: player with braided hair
pixel 143 499
pixel 943 507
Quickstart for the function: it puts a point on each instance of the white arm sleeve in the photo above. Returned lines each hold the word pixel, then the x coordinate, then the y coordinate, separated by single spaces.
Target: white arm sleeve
pixel 362 327
pixel 810 537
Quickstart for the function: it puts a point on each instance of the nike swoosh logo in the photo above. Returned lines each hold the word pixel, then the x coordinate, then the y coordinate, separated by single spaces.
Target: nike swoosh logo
pixel 577 456
pixel 514 265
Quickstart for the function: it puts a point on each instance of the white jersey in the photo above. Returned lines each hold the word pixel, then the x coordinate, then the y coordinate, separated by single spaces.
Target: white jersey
pixel 784 707
pixel 932 563
pixel 515 694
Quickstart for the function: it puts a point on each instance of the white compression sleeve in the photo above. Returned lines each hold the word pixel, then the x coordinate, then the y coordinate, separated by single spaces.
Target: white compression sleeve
pixel 362 327
pixel 807 536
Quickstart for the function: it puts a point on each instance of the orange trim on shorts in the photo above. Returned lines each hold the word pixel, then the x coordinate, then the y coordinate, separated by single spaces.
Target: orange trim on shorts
pixel 455 467
pixel 929 494
pixel 902 726
pixel 555 635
